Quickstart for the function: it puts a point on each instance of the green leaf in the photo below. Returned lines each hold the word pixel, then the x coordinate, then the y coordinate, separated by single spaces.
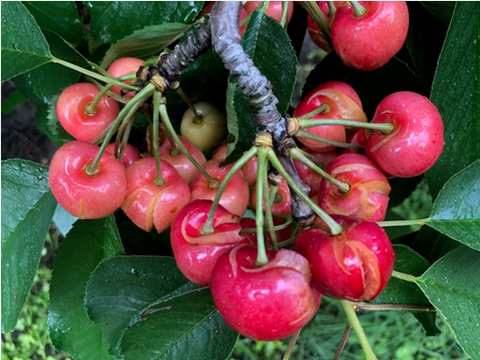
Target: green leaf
pixel 121 289
pixel 85 246
pixel 443 10
pixel 60 17
pixel 452 285
pixel 27 210
pixel 456 93
pixel 10 103
pixel 431 244
pixel 186 327
pixel 148 41
pixel 114 20
pixel 269 46
pixel 402 292
pixel 456 211
pixel 24 47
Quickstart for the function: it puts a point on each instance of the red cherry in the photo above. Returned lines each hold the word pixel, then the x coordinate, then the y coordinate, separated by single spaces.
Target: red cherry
pixel 74 118
pixel 282 203
pixel 121 67
pixel 195 253
pixel 131 153
pixel 87 196
pixel 274 9
pixel 268 302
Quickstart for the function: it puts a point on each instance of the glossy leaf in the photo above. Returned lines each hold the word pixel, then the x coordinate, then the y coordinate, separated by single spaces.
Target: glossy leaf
pixel 456 93
pixel 53 127
pixel 267 43
pixel 149 41
pixel 452 285
pixel 121 289
pixel 114 20
pixel 443 10
pixel 60 17
pixel 27 210
pixel 402 292
pixel 24 47
pixel 185 327
pixel 85 246
pixel 456 211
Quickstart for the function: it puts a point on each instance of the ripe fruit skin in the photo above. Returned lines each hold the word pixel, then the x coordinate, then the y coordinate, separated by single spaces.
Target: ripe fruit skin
pixel 274 9
pixel 71 111
pixel 197 254
pixel 282 203
pixel 121 67
pixel 234 198
pixel 367 198
pixel 209 131
pixel 149 205
pixel 417 140
pixel 355 265
pixel 268 302
pixel 369 41
pixel 130 155
pixel 342 87
pixel 83 195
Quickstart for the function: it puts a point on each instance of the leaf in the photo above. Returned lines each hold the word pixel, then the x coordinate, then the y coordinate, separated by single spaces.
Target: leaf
pixel 443 10
pixel 456 211
pixel 148 41
pixel 55 130
pixel 456 93
pixel 402 292
pixel 185 327
pixel 85 246
pixel 370 86
pixel 431 244
pixel 60 17
pixel 122 288
pixel 24 47
pixel 269 46
pixel 452 285
pixel 27 210
pixel 114 20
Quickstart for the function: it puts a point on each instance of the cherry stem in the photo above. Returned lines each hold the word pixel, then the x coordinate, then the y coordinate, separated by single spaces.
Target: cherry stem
pixel 303 157
pixel 291 344
pixel 405 277
pixel 157 98
pixel 92 74
pixel 267 199
pixel 335 228
pixel 352 318
pixel 392 223
pixel 276 228
pixel 197 119
pixel 385 128
pixel 259 220
pixel 322 108
pixel 307 135
pixel 343 342
pixel 110 94
pixel 331 9
pixel 390 307
pixel 208 226
pixel 123 134
pixel 317 16
pixel 283 19
pixel 125 137
pixel 90 109
pixel 132 105
pixel 183 149
pixel 358 9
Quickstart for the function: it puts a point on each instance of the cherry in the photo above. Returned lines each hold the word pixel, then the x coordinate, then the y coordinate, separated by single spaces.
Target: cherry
pixel 369 41
pixel 121 67
pixel 196 253
pixel 367 198
pixel 74 116
pixel 417 140
pixel 131 153
pixel 268 302
pixel 281 204
pixel 148 204
pixel 83 194
pixel 355 265
pixel 274 9
pixel 250 225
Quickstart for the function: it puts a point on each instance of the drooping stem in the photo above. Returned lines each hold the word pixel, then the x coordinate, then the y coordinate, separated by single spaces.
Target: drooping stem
pixel 157 98
pixel 189 103
pixel 385 128
pixel 405 277
pixel 267 199
pixel 317 16
pixel 343 342
pixel 261 175
pixel 322 108
pixel 393 307
pixel 291 344
pixel 307 135
pixel 391 223
pixel 357 327
pixel 358 9
pixel 283 19
pixel 90 109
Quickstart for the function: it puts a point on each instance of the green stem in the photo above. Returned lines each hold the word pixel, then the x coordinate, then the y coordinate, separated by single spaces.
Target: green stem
pixel 94 75
pixel 185 98
pixel 208 227
pixel 331 9
pixel 357 327
pixel 132 105
pixel 391 223
pixel 405 277
pixel 385 128
pixel 261 174
pixel 90 108
pixel 343 342
pixel 157 98
pixel 316 14
pixel 124 131
pixel 300 155
pixel 358 9
pixel 307 135
pixel 125 137
pixel 283 19
pixel 183 149
pixel 291 344
pixel 111 94
pixel 390 307
pixel 335 228
pixel 268 209
pixel 318 110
